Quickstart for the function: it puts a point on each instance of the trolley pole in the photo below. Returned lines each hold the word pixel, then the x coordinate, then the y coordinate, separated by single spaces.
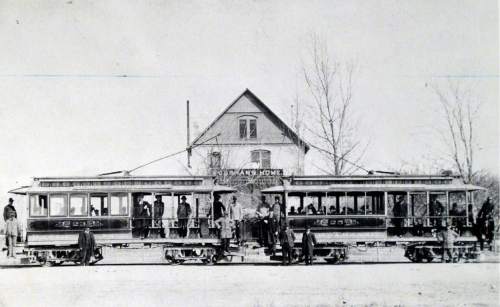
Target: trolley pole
pixel 188 136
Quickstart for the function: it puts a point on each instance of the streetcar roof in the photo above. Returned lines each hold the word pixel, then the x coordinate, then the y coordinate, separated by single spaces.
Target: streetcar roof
pixel 104 184
pixel 126 189
pixel 372 188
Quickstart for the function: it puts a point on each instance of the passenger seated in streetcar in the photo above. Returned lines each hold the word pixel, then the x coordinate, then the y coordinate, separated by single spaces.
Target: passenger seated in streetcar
pixel 311 210
pixel 435 210
pixel 93 211
pixel 333 210
pixel 292 211
pixel 300 209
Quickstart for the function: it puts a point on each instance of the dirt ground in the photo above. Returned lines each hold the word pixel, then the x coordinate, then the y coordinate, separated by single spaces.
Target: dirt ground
pixel 392 284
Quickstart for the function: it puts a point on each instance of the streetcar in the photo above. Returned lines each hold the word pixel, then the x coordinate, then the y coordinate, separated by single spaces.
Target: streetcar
pixel 59 208
pixel 346 211
pixel 342 211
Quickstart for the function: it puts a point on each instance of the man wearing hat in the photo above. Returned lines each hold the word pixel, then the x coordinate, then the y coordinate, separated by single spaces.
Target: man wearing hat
pixel 7 211
pixel 308 242
pixel 183 213
pixel 86 243
pixel 287 237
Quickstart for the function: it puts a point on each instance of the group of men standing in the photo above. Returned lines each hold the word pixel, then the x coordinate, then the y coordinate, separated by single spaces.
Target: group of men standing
pixel 271 229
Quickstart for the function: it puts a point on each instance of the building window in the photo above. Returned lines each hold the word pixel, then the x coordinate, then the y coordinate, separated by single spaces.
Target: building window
pixel 215 160
pixel 243 128
pixel 248 128
pixel 262 158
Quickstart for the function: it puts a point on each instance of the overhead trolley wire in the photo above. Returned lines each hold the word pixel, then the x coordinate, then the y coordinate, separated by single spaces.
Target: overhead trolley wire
pixel 163 157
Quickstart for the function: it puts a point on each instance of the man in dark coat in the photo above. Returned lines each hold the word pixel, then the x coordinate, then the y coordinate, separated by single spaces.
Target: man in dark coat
pixel 219 208
pixel 287 237
pixel 183 214
pixel 308 243
pixel 145 215
pixel 399 212
pixel 86 243
pixel 486 222
pixel 435 211
pixel 8 210
pixel 159 209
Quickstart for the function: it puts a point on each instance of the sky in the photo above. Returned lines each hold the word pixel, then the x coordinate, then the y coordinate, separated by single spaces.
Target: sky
pixel 93 86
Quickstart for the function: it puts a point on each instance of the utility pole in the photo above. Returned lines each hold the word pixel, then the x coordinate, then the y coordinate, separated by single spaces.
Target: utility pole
pixel 188 132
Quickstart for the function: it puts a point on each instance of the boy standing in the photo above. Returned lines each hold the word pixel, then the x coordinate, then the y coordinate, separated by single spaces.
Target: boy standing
pixel 11 232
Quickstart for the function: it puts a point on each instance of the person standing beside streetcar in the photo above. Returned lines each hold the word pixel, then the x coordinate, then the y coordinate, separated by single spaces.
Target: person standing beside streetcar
pixel 236 214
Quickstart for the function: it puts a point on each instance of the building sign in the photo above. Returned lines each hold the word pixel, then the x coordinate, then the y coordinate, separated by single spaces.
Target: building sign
pixel 250 172
pixel 253 178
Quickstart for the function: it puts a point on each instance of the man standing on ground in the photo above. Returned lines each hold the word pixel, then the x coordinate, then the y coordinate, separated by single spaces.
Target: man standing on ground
pixel 448 237
pixel 86 243
pixel 236 213
pixel 485 219
pixel 7 210
pixel 224 224
pixel 287 243
pixel 308 243
pixel 183 214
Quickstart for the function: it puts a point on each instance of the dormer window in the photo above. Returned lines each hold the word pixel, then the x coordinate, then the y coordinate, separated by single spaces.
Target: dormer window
pixel 248 127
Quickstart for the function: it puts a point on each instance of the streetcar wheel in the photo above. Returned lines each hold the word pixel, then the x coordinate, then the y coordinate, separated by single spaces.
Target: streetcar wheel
pixel 169 259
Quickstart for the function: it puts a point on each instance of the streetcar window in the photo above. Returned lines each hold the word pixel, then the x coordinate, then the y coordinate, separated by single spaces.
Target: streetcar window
pixel 58 205
pixel 98 204
pixel 119 204
pixel 457 203
pixel 78 205
pixel 348 207
pixel 38 205
pixel 375 203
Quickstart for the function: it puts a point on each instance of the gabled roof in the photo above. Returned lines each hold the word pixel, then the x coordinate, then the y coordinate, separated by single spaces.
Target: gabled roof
pixel 286 129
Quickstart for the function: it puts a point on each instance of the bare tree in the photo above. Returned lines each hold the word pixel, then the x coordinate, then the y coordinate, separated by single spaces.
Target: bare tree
pixel 329 84
pixel 459 108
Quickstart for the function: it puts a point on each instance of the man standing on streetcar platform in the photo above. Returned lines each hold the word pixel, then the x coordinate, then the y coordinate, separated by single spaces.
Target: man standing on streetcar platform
pixel 219 208
pixel 183 214
pixel 86 243
pixel 236 214
pixel 263 215
pixel 159 209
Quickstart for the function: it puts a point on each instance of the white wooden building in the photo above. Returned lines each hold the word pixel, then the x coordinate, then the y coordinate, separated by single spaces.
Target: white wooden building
pixel 248 143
